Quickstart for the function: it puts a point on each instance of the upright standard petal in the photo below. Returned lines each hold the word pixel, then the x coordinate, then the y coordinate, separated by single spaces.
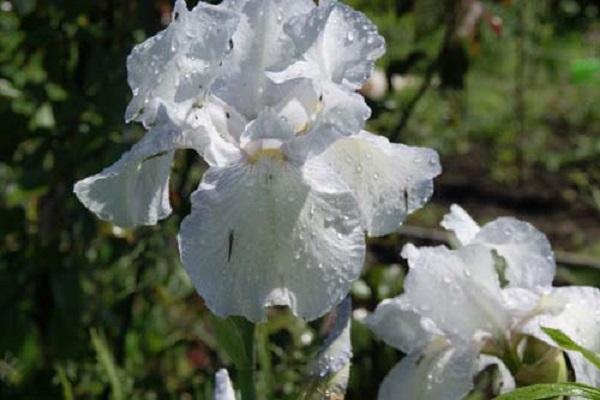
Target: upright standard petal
pixel 343 43
pixel 461 223
pixel 440 372
pixel 457 289
pixel 526 250
pixel 223 386
pixel 258 44
pixel 135 190
pixel 269 234
pixel 389 180
pixel 310 105
pixel 320 113
pixel 177 66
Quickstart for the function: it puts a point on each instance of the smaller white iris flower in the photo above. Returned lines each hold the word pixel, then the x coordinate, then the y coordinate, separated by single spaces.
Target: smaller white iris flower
pixel 465 309
pixel 264 91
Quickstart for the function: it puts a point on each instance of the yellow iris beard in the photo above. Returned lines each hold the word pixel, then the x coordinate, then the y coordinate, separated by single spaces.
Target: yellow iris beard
pixel 275 154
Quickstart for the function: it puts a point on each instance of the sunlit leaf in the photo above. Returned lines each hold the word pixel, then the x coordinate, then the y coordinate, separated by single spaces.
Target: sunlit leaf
pixel 567 343
pixel 585 71
pixel 545 391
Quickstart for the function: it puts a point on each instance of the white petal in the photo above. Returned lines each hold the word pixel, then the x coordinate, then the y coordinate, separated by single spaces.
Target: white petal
pixel 528 254
pixel 258 44
pixel 506 381
pixel 396 323
pixel 439 373
pixel 268 234
pixel 459 290
pixel 320 114
pixel 523 303
pixel 343 108
pixel 300 105
pixel 268 125
pixel 461 223
pixel 580 320
pixel 135 190
pixel 337 349
pixel 390 180
pixel 585 372
pixel 225 119
pixel 341 41
pixel 224 127
pixel 301 69
pixel 223 386
pixel 311 106
pixel 174 70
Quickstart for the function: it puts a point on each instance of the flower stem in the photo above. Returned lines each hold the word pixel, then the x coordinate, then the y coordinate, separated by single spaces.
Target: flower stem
pixel 247 383
pixel 247 372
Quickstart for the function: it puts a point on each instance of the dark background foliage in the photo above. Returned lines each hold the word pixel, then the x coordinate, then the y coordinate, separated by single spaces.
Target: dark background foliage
pixel 509 98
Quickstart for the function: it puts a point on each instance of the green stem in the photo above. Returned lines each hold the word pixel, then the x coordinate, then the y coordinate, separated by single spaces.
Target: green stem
pixel 247 383
pixel 247 373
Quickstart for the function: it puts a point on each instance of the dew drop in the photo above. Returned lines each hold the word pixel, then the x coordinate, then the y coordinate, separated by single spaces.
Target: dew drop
pixel 350 37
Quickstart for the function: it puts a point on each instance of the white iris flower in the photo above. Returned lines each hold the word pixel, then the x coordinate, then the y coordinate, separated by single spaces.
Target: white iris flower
pixel 264 91
pixel 461 311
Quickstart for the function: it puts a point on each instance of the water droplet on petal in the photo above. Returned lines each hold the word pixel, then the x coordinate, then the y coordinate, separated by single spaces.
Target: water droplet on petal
pixel 350 37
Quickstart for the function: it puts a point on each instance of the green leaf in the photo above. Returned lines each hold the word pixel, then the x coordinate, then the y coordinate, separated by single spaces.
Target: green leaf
pixel 43 118
pixel 564 341
pixel 66 385
pixel 8 90
pixel 235 335
pixel 585 71
pixel 107 362
pixel 549 390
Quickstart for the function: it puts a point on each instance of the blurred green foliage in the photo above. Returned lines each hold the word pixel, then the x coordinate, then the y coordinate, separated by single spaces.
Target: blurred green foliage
pixel 91 311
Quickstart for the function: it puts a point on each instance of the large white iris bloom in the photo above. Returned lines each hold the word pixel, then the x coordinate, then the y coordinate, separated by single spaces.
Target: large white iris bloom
pixel 264 91
pixel 457 316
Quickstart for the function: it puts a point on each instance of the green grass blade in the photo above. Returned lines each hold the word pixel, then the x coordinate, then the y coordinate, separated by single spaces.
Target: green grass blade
pixel 565 342
pixel 107 362
pixel 550 390
pixel 65 384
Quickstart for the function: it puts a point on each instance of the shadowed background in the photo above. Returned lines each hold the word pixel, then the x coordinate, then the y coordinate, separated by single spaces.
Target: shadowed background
pixel 506 91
